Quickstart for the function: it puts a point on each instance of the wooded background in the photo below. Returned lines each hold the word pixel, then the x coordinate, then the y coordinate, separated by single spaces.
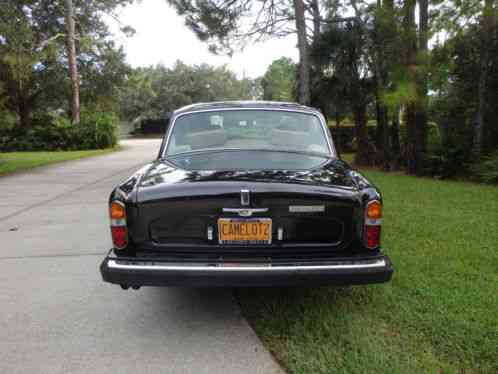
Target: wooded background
pixel 410 85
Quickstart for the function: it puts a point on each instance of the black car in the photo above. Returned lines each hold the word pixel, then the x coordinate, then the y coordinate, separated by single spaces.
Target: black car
pixel 246 194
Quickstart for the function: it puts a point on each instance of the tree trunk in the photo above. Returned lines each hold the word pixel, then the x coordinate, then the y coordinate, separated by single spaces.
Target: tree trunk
pixel 421 107
pixel 487 33
pixel 362 144
pixel 337 118
pixel 23 111
pixel 379 127
pixel 73 68
pixel 410 153
pixel 384 148
pixel 315 11
pixel 304 93
pixel 409 57
pixel 383 63
pixel 395 134
pixel 337 140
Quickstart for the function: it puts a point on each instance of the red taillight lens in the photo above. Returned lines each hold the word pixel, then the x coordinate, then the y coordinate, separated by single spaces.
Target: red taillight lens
pixel 373 222
pixel 119 236
pixel 373 236
pixel 119 231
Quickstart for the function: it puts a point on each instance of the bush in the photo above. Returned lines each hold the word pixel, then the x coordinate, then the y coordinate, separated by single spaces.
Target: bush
pixel 487 170
pixel 434 138
pixel 448 152
pixel 56 133
pixel 7 120
pixel 445 163
pixel 96 131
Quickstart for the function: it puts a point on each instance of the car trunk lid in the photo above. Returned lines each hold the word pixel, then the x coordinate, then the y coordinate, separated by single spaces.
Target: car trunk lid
pixel 183 214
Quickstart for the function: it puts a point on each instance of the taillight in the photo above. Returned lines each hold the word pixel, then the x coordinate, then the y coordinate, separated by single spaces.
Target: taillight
pixel 373 222
pixel 119 231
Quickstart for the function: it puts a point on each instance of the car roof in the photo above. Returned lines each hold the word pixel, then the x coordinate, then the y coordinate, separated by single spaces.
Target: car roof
pixel 255 104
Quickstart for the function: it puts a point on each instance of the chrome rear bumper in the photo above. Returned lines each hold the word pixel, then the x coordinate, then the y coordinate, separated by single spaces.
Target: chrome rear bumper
pixel 224 273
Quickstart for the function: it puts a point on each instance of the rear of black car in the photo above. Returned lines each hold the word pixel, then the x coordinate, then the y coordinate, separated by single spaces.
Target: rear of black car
pixel 317 236
pixel 246 194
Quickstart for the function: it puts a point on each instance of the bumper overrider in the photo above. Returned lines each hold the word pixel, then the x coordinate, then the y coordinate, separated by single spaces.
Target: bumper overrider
pixel 136 272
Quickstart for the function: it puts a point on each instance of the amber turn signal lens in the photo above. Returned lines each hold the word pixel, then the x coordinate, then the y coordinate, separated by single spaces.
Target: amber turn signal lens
pixel 374 210
pixel 117 210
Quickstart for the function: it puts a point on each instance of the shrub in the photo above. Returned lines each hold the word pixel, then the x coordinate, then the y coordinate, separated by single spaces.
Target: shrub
pixel 445 162
pixel 447 152
pixel 56 133
pixel 96 131
pixel 434 138
pixel 7 120
pixel 487 170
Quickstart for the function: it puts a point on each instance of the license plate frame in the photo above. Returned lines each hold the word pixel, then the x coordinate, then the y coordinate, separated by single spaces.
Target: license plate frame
pixel 222 236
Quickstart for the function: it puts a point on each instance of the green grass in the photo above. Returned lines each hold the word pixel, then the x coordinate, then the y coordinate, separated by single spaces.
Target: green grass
pixel 16 161
pixel 439 314
pixel 348 157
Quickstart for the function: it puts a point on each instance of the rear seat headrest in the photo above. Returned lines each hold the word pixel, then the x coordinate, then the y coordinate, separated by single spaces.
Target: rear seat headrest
pixel 288 138
pixel 206 139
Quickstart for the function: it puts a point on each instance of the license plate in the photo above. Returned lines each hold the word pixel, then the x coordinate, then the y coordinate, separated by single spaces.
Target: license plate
pixel 244 231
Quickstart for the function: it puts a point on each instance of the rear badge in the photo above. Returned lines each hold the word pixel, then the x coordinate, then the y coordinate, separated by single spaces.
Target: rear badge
pixel 306 208
pixel 245 198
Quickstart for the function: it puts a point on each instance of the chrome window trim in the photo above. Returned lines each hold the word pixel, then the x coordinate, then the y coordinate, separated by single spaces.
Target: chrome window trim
pixel 326 131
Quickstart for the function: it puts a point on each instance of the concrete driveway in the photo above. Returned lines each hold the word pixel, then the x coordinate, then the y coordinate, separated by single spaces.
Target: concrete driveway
pixel 56 314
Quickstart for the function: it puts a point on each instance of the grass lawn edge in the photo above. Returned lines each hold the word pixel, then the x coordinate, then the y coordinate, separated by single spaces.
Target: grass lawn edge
pixel 25 163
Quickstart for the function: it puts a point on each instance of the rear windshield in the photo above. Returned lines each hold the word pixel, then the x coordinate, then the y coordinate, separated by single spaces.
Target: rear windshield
pixel 248 130
pixel 246 160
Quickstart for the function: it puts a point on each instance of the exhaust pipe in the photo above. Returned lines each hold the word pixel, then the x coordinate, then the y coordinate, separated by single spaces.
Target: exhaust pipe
pixel 125 287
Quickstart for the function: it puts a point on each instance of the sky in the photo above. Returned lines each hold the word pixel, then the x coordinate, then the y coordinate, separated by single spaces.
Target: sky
pixel 162 37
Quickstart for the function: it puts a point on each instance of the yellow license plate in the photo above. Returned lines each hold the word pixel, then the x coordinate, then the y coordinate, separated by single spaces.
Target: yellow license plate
pixel 244 231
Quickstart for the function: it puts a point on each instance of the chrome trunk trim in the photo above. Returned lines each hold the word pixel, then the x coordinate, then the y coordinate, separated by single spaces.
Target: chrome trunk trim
pixel 245 212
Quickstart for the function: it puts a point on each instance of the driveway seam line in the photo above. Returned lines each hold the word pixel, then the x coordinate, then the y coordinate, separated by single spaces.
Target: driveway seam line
pixel 54 255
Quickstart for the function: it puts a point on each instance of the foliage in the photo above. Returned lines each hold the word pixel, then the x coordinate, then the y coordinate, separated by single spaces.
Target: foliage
pixel 279 81
pixel 446 155
pixel 367 60
pixel 229 25
pixel 96 131
pixel 7 118
pixel 487 169
pixel 454 103
pixel 342 50
pixel 33 61
pixel 154 92
pixel 444 163
pixel 55 133
pixel 441 239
